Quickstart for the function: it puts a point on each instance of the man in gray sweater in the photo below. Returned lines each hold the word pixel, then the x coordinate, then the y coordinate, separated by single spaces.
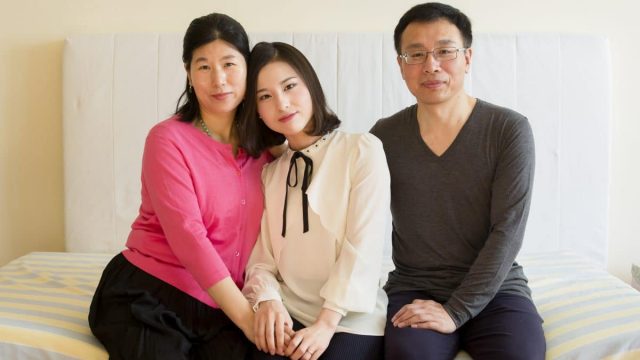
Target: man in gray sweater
pixel 461 178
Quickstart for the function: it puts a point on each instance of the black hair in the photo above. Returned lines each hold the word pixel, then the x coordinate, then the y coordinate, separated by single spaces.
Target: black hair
pixel 432 11
pixel 255 136
pixel 202 31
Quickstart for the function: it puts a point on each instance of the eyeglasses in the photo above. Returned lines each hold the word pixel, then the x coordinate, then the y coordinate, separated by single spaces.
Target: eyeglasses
pixel 439 54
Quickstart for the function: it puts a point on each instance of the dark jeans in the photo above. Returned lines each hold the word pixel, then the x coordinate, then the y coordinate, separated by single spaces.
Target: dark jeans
pixel 508 328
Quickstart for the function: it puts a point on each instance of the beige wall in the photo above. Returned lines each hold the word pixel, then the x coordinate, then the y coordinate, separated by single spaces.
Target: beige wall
pixel 32 31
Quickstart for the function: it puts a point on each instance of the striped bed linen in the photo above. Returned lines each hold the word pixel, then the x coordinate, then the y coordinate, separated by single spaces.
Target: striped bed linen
pixel 44 300
pixel 588 313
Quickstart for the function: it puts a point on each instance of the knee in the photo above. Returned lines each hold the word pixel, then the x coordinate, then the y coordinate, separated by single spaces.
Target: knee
pixel 419 344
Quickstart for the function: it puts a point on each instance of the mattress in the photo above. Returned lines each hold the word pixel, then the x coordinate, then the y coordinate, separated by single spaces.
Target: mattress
pixel 588 313
pixel 44 301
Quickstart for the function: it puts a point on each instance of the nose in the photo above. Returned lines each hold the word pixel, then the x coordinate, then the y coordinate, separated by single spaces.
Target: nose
pixel 218 77
pixel 431 64
pixel 283 102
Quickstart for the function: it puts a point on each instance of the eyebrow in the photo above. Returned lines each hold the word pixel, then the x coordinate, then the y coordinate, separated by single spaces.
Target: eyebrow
pixel 203 58
pixel 281 82
pixel 439 42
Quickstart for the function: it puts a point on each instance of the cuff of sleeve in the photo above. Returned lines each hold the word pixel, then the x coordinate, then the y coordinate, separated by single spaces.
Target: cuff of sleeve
pixel 333 307
pixel 458 318
pixel 266 295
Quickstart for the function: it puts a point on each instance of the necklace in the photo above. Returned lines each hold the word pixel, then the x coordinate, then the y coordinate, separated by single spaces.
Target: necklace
pixel 204 127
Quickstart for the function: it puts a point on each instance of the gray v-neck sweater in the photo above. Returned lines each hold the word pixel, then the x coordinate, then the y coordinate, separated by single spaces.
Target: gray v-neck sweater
pixel 459 218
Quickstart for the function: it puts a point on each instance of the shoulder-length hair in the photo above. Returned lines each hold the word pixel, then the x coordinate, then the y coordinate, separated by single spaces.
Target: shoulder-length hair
pixel 255 136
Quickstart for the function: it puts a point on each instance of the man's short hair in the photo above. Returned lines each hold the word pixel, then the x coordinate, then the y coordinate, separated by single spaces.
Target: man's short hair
pixel 433 11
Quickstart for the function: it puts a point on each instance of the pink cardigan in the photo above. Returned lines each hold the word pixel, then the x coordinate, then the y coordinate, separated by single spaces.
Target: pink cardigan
pixel 200 212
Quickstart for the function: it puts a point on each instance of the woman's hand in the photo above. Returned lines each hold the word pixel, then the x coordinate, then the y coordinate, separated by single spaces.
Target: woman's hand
pixel 311 342
pixel 273 327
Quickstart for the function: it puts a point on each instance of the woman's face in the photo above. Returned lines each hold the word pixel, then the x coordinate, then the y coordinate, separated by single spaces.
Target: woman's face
pixel 218 74
pixel 284 101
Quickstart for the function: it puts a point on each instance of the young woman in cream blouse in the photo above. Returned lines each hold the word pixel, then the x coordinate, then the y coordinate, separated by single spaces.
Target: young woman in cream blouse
pixel 313 276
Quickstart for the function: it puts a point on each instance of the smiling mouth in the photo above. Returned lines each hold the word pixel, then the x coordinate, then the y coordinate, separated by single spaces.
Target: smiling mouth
pixel 221 96
pixel 287 117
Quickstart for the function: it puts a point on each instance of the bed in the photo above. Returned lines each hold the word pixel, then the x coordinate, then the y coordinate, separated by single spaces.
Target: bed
pixel 116 86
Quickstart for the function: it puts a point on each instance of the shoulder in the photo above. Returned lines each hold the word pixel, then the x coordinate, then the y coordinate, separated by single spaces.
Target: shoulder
pixel 355 144
pixel 171 128
pixel 503 115
pixel 394 123
pixel 508 128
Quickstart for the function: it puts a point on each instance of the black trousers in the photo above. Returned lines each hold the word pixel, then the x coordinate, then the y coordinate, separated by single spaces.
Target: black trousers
pixel 508 328
pixel 343 346
pixel 137 316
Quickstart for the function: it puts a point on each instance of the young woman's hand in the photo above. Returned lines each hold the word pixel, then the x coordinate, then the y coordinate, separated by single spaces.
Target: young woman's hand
pixel 311 342
pixel 273 327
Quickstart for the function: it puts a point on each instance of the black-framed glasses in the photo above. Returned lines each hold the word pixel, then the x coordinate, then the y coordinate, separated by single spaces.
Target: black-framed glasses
pixel 440 54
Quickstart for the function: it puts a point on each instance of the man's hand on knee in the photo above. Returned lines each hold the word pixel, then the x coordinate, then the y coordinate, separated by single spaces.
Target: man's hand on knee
pixel 424 314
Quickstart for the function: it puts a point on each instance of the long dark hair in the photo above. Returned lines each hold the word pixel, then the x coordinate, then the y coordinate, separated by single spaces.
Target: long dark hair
pixel 254 135
pixel 202 31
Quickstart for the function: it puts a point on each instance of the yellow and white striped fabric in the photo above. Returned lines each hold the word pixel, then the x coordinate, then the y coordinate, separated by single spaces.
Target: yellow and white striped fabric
pixel 588 313
pixel 44 302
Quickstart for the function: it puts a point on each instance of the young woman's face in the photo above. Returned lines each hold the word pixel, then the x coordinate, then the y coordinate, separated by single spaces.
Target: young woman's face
pixel 284 101
pixel 218 74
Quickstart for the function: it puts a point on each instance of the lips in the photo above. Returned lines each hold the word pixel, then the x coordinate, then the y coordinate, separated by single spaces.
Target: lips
pixel 432 84
pixel 287 117
pixel 221 96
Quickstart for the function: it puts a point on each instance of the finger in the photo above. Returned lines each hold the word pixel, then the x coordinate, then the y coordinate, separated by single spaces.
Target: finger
pixel 431 325
pixel 398 313
pixel 416 318
pixel 317 354
pixel 279 336
pixel 409 312
pixel 308 355
pixel 271 344
pixel 293 344
pixel 256 331
pixel 289 331
pixel 259 334
pixel 305 349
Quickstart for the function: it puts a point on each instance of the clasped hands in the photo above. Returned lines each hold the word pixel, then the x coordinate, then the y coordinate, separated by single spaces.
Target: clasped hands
pixel 273 331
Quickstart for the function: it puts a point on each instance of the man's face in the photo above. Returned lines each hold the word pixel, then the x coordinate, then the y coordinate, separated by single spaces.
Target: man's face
pixel 434 81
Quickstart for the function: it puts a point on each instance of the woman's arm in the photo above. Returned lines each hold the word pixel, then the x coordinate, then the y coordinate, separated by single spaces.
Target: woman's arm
pixel 353 283
pixel 170 188
pixel 273 325
pixel 227 295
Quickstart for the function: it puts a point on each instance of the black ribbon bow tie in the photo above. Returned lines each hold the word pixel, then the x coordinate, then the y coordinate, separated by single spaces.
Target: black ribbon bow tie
pixel 306 180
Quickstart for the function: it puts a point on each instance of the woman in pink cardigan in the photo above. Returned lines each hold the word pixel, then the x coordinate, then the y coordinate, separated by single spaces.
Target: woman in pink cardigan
pixel 174 292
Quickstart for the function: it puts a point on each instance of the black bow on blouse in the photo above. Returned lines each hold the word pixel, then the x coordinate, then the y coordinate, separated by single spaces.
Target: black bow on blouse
pixel 306 180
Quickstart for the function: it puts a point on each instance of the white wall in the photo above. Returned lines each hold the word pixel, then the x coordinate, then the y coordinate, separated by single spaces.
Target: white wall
pixel 32 31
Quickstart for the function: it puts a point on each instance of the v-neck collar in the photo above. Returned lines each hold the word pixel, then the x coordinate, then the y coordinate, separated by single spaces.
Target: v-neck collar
pixel 451 148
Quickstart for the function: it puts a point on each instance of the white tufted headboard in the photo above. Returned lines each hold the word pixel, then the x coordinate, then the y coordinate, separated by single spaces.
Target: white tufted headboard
pixel 116 86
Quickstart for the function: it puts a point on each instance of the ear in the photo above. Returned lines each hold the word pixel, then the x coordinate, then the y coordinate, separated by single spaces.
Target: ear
pixel 186 68
pixel 468 55
pixel 400 62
